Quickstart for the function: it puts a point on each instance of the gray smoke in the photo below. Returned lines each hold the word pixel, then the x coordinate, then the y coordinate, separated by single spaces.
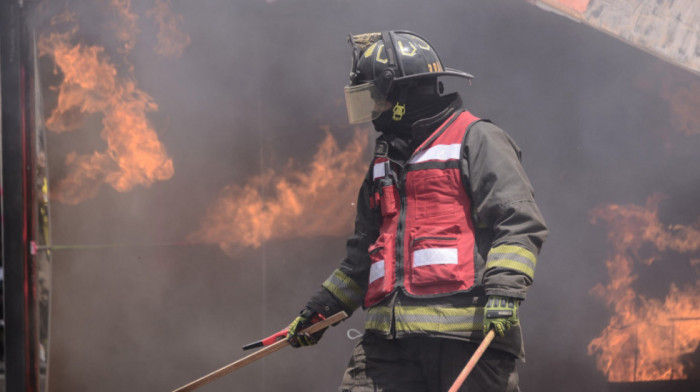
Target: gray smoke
pixel 250 92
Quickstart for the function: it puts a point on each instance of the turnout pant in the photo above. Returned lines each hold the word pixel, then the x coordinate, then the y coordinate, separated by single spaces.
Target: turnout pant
pixel 425 364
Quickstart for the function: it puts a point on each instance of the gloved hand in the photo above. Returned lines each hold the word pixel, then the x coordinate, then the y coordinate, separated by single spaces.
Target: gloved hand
pixel 305 319
pixel 501 313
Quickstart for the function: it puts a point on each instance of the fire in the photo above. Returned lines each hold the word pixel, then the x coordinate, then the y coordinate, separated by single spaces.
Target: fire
pixel 92 84
pixel 171 40
pixel 312 201
pixel 646 336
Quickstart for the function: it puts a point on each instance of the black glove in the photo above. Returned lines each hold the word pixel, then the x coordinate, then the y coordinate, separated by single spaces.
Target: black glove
pixel 306 318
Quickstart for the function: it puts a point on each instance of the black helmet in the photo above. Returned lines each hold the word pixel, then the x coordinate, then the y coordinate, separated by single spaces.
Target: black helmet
pixel 386 61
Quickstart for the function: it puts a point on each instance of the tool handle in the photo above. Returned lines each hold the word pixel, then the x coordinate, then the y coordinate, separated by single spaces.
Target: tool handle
pixel 258 354
pixel 472 361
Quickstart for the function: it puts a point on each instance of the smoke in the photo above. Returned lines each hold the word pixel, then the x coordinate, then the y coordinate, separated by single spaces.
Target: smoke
pixel 172 41
pixel 246 92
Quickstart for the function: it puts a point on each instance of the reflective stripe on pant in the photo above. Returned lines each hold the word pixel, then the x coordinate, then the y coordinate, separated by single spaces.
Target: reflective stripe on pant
pixel 424 364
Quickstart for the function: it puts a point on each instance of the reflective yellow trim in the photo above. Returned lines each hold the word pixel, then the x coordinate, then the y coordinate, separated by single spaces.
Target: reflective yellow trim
pixel 345 289
pixel 518 250
pixel 512 264
pixel 437 327
pixel 411 319
pixel 437 311
pixel 512 257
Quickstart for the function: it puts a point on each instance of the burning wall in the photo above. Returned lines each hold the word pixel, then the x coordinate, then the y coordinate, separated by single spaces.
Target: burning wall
pixel 93 85
pixel 647 337
pixel 315 200
pixel 193 305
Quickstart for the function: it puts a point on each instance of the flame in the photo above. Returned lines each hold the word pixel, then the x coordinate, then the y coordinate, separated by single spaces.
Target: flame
pixel 313 201
pixel 171 40
pixel 92 84
pixel 645 337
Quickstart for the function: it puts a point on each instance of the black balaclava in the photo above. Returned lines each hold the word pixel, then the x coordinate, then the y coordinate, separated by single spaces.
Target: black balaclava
pixel 418 106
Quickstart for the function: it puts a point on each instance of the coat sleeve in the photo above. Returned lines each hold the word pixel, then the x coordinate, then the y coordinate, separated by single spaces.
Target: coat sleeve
pixel 504 205
pixel 345 288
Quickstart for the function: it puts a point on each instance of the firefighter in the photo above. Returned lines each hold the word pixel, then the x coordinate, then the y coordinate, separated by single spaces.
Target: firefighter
pixel 446 236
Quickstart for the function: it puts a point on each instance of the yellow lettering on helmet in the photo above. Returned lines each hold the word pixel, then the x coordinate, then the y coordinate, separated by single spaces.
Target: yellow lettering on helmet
pixel 430 68
pixel 405 51
pixel 422 44
pixel 369 50
pixel 379 52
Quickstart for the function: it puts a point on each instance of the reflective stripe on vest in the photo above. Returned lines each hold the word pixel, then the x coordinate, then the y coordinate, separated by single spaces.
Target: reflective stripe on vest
pixel 426 241
pixel 441 152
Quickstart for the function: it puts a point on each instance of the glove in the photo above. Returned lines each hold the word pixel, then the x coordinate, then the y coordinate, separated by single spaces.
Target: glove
pixel 305 319
pixel 501 313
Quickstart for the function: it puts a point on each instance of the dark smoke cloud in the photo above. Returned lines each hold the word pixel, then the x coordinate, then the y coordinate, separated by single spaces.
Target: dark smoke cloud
pixel 250 91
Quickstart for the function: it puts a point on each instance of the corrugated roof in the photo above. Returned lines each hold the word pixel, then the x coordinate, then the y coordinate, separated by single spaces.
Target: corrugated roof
pixel 669 29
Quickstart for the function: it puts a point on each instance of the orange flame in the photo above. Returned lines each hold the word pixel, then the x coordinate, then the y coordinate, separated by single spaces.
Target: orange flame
pixel 171 40
pixel 92 84
pixel 645 337
pixel 313 201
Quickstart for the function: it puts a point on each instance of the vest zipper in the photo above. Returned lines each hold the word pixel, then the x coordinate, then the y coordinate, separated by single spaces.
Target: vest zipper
pixel 401 224
pixel 400 229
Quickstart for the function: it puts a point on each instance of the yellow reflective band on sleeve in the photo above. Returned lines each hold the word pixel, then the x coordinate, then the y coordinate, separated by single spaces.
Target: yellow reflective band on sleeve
pixel 512 257
pixel 345 289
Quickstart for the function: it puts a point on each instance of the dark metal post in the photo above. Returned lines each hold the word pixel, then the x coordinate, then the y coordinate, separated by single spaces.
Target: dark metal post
pixel 18 297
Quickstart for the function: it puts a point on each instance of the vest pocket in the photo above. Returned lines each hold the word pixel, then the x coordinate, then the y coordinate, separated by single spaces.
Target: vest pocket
pixel 437 261
pixel 389 199
pixel 381 271
pixel 435 196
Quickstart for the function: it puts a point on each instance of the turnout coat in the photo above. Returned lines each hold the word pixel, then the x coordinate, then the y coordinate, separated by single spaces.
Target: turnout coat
pixel 440 226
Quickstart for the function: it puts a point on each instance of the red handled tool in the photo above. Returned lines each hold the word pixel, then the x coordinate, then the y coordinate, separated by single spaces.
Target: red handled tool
pixel 268 340
pixel 279 335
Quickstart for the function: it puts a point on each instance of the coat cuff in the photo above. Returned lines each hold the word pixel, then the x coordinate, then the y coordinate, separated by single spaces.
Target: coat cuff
pixel 512 257
pixel 344 290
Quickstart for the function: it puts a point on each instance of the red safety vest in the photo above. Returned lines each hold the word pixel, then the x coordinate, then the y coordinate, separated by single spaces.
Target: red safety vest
pixel 426 239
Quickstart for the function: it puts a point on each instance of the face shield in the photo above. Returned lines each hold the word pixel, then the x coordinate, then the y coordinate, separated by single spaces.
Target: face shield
pixel 365 102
